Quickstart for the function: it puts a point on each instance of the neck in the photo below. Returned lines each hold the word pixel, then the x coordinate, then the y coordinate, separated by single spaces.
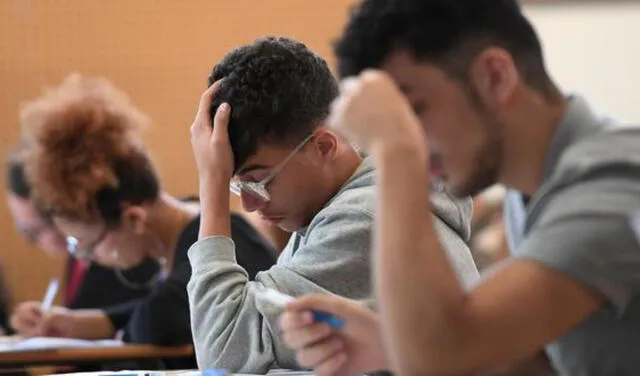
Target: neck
pixel 343 166
pixel 526 143
pixel 168 218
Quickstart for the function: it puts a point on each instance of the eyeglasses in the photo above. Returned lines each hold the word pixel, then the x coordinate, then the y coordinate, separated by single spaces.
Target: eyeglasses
pixel 258 189
pixel 84 253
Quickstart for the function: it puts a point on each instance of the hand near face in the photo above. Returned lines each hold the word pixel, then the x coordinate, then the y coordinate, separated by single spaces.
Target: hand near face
pixel 373 112
pixel 354 349
pixel 211 147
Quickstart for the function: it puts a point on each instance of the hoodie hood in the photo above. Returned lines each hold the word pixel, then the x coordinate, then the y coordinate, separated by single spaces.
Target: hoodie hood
pixel 454 212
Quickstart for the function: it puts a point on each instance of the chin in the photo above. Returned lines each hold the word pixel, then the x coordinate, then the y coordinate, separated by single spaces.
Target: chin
pixel 467 188
pixel 290 225
pixel 287 227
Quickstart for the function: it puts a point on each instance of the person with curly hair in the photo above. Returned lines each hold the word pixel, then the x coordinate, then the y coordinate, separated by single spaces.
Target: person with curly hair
pixel 90 172
pixel 87 284
pixel 268 143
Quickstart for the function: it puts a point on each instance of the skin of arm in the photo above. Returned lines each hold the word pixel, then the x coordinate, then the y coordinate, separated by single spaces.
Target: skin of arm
pixel 439 328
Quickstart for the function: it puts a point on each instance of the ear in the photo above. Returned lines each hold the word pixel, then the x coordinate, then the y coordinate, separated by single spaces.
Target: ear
pixel 134 218
pixel 325 143
pixel 495 77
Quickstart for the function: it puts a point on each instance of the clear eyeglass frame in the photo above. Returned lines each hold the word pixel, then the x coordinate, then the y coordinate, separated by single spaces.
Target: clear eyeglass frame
pixel 259 189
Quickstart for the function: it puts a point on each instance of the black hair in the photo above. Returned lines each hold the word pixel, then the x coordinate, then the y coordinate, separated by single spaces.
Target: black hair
pixel 279 92
pixel 446 33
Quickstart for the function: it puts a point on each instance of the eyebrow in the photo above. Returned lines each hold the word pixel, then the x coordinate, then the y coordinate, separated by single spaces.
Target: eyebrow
pixel 250 168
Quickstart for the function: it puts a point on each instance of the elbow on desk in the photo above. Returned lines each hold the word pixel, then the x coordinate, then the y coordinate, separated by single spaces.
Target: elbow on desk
pixel 223 349
pixel 449 351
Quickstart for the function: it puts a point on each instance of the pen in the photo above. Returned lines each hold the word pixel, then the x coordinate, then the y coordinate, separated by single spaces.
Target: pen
pixel 52 290
pixel 280 300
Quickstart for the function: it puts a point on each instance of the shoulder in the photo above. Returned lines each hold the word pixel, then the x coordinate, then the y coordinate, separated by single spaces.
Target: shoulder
pixel 611 152
pixel 600 175
pixel 348 205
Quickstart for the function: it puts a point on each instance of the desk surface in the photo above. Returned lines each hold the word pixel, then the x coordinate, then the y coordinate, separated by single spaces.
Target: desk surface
pixel 77 355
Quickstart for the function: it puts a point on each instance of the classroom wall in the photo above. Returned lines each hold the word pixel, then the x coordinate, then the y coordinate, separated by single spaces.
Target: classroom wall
pixel 159 51
pixel 592 49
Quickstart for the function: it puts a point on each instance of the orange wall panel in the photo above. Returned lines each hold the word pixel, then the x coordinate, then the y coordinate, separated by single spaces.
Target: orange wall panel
pixel 159 51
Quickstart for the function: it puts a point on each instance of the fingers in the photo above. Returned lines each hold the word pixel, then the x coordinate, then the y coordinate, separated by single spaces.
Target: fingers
pixel 26 316
pixel 295 319
pixel 46 325
pixel 321 356
pixel 202 124
pixel 205 103
pixel 332 366
pixel 221 122
pixel 330 304
pixel 348 87
pixel 307 335
pixel 25 324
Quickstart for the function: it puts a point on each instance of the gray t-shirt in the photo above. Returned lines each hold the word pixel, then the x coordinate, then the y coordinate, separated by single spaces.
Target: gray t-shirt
pixel 577 223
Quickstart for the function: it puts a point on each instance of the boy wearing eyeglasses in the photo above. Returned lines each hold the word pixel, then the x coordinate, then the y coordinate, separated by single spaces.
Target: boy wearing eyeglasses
pixel 267 103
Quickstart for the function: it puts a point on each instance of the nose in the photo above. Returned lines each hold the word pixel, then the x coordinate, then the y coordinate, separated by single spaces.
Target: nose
pixel 251 203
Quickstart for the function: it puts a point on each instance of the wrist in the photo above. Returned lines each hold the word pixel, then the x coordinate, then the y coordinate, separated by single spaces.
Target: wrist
pixel 401 152
pixel 400 147
pixel 216 178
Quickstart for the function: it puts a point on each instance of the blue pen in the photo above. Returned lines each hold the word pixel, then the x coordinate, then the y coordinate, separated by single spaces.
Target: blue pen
pixel 280 300
pixel 215 372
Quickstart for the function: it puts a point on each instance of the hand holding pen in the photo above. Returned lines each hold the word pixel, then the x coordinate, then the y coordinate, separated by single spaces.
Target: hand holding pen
pixel 354 348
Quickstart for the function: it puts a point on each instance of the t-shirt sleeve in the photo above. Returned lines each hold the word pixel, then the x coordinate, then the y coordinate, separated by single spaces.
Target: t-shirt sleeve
pixel 584 232
pixel 119 314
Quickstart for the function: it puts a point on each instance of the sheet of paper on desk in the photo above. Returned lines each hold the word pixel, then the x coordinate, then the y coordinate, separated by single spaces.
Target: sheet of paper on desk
pixel 182 373
pixel 274 372
pixel 270 373
pixel 47 343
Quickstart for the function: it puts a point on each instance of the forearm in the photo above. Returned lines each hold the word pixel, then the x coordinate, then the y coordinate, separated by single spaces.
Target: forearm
pixel 228 331
pixel 417 308
pixel 91 324
pixel 214 203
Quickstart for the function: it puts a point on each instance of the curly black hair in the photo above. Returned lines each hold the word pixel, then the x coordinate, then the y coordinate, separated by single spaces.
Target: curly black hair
pixel 446 33
pixel 279 91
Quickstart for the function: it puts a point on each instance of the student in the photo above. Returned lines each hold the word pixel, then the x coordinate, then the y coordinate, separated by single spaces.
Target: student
pixel 268 142
pixel 475 83
pixel 92 175
pixel 87 285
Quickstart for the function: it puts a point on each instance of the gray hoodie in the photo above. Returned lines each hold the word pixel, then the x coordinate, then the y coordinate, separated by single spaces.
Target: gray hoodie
pixel 233 330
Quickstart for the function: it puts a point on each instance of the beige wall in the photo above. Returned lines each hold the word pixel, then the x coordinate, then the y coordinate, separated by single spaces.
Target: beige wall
pixel 159 51
pixel 593 49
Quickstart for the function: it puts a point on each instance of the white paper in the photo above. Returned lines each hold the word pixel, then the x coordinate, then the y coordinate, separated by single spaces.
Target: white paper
pixel 48 343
